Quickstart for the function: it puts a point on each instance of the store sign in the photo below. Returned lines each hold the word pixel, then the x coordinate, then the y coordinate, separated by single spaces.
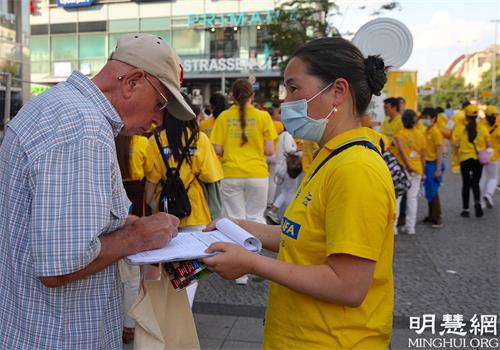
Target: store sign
pixel 225 65
pixel 74 3
pixel 211 20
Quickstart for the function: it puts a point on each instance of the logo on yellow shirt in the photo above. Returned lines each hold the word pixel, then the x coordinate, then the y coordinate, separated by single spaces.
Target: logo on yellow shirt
pixel 290 228
pixel 308 198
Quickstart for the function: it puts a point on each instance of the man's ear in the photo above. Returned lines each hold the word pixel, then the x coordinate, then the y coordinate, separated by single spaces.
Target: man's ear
pixel 130 81
pixel 340 91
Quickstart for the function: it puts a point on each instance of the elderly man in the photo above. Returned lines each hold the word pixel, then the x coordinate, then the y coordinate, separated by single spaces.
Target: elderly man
pixel 63 217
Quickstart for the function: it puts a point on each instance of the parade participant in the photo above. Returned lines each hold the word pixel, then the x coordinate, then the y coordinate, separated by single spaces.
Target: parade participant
pixel 411 149
pixel 199 164
pixel 132 153
pixel 489 177
pixel 434 166
pixel 243 136
pixel 332 281
pixel 64 216
pixel 218 104
pixel 392 123
pixel 469 140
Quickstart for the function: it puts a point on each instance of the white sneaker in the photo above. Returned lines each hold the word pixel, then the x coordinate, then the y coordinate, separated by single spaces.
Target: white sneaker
pixel 488 201
pixel 242 280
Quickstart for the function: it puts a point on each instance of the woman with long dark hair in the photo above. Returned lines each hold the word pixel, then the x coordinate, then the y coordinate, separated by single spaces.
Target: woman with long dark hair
pixel 182 139
pixel 218 104
pixel 332 280
pixel 470 140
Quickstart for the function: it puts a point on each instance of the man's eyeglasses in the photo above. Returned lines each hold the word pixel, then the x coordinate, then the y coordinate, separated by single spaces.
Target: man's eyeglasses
pixel 160 105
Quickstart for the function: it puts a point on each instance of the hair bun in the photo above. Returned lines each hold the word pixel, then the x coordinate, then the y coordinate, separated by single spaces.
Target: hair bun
pixel 376 73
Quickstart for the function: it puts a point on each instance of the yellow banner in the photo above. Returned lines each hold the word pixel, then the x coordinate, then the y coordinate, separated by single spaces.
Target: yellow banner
pixel 402 84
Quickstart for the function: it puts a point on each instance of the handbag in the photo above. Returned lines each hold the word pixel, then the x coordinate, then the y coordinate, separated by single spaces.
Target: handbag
pixel 164 320
pixel 483 156
pixel 214 199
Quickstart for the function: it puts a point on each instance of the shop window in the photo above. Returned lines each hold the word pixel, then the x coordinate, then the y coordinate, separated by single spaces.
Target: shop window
pixel 124 26
pixel 188 42
pixel 64 47
pixel 93 46
pixel 154 24
pixel 223 43
pixel 39 48
pixel 39 29
pixel 62 28
pixel 98 26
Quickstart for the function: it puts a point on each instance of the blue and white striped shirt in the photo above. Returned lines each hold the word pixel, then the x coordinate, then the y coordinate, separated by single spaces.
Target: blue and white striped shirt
pixel 60 189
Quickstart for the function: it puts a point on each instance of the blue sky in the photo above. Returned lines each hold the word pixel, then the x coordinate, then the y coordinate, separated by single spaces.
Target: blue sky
pixel 442 30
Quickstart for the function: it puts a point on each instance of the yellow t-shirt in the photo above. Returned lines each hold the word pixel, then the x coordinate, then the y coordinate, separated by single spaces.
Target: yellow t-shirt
pixel 441 122
pixel 139 158
pixel 347 208
pixel 309 151
pixel 494 132
pixel 207 125
pixel 205 167
pixel 413 145
pixel 247 161
pixel 433 138
pixel 466 149
pixel 390 129
pixel 279 127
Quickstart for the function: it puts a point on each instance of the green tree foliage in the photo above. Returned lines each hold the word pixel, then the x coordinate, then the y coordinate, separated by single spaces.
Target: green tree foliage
pixel 485 88
pixel 443 89
pixel 299 21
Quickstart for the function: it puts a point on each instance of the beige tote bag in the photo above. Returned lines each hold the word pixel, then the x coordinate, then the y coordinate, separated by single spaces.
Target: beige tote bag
pixel 164 320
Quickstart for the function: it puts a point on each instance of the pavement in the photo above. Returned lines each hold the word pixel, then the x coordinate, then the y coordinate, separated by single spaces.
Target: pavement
pixel 452 270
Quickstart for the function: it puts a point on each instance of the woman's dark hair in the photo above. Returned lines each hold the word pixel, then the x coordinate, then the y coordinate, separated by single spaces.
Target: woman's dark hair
pixel 439 110
pixel 329 59
pixel 242 91
pixel 429 112
pixel 409 118
pixel 471 129
pixel 394 102
pixel 179 132
pixel 122 144
pixel 219 104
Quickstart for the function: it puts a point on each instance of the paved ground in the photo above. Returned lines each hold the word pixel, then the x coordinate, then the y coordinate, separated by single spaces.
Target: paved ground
pixel 454 270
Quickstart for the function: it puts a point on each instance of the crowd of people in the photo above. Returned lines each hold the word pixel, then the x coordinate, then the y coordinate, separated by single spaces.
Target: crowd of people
pixel 421 140
pixel 82 189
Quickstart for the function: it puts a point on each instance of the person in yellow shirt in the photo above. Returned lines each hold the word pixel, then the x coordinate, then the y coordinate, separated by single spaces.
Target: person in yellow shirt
pixel 434 166
pixel 243 136
pixel 392 123
pixel 332 283
pixel 411 148
pixel 199 164
pixel 469 140
pixel 133 158
pixel 458 120
pixel 218 104
pixel 489 177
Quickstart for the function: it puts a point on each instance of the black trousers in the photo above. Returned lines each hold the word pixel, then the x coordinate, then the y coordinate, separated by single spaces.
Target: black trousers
pixel 471 171
pixel 135 193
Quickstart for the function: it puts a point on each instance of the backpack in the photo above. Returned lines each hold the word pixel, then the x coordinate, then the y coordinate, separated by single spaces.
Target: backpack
pixel 174 195
pixel 399 177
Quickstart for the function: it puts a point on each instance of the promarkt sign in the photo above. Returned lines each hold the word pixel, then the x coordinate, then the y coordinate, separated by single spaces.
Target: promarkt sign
pixel 74 3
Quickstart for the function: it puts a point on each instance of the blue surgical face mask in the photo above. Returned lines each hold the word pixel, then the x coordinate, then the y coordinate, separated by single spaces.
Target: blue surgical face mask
pixel 299 124
pixel 427 122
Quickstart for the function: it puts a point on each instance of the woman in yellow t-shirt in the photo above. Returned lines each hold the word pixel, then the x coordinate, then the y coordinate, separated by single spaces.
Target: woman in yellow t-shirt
pixel 434 166
pixel 332 284
pixel 243 136
pixel 218 104
pixel 489 178
pixel 133 154
pixel 469 140
pixel 411 149
pixel 200 164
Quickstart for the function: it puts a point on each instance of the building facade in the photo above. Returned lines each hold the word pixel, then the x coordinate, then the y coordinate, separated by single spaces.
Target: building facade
pixel 217 40
pixel 14 57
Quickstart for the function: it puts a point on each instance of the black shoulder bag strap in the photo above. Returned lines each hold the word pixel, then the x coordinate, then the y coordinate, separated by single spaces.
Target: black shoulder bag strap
pixel 170 171
pixel 336 151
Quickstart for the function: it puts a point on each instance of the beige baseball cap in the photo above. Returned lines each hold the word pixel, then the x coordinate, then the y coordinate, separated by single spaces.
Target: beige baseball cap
pixel 156 57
